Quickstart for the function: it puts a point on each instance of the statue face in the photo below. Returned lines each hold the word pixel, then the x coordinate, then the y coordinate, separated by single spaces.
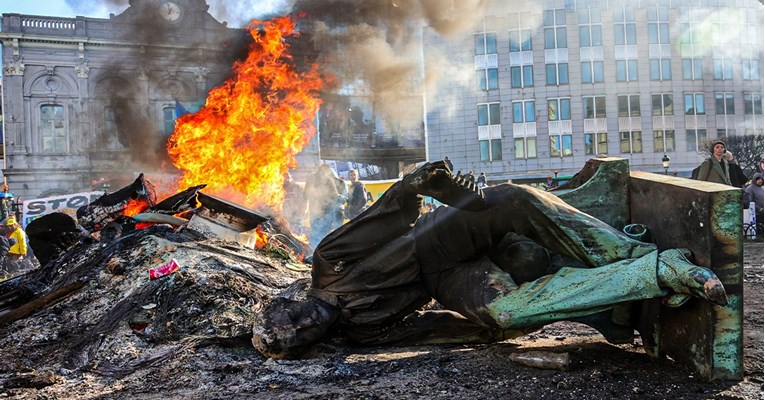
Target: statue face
pixel 285 328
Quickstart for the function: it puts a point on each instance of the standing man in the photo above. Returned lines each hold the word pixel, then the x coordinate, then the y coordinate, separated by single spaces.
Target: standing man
pixel 481 181
pixel 471 176
pixel 357 199
pixel 755 191
pixel 716 169
pixel 18 249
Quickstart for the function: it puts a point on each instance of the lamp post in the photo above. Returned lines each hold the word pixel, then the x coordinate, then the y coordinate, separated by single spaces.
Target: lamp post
pixel 665 164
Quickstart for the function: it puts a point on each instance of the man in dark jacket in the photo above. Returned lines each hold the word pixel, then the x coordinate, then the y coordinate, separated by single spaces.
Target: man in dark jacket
pixel 755 192
pixel 737 177
pixel 357 197
pixel 502 262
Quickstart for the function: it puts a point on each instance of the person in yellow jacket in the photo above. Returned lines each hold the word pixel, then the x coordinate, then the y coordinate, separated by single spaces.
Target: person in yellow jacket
pixel 18 240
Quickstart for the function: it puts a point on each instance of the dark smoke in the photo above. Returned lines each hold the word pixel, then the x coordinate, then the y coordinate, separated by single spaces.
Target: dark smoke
pixel 165 68
pixel 376 46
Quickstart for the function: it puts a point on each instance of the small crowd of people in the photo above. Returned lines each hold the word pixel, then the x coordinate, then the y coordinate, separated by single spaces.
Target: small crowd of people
pixel 721 167
pixel 480 180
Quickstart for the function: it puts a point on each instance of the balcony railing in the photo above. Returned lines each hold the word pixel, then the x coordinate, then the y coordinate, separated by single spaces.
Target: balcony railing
pixel 35 22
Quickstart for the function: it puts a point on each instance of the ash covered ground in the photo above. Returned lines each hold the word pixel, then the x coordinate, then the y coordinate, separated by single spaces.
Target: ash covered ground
pixel 120 335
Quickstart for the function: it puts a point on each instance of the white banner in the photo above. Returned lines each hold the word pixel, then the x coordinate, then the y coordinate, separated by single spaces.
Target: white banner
pixel 67 204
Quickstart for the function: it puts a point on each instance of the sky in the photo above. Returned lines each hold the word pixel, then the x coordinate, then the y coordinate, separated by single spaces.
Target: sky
pixel 236 13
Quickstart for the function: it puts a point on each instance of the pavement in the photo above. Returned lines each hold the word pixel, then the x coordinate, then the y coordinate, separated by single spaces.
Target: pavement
pixel 754 254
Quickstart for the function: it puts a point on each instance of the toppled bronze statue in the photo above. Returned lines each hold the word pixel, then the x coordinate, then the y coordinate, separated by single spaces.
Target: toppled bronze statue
pixel 503 262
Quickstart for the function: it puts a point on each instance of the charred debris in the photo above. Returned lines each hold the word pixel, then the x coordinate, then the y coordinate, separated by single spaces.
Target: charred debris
pixel 120 290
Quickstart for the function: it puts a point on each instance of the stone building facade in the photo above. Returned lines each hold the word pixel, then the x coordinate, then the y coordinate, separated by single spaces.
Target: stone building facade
pixel 547 85
pixel 87 98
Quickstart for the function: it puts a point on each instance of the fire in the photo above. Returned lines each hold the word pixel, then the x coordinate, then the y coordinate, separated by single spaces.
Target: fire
pixel 251 127
pixel 136 206
pixel 261 238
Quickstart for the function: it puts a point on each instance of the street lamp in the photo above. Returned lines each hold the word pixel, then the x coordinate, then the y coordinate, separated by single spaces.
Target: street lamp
pixel 665 163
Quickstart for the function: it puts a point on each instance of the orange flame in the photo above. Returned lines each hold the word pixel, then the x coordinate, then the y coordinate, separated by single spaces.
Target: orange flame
pixel 261 238
pixel 135 207
pixel 247 135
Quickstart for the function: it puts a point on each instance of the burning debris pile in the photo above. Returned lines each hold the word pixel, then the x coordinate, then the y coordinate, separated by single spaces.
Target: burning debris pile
pixel 150 287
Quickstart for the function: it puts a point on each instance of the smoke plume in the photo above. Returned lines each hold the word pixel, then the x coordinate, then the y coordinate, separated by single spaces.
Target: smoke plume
pixel 375 47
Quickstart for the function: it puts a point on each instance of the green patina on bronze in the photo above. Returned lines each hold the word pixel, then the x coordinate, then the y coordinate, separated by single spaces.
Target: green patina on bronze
pixel 600 189
pixel 701 216
pixel 707 219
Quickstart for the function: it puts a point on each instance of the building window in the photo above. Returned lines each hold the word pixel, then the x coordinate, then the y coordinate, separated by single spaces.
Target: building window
pixel 664 140
pixel 625 31
pixel 630 142
pixel 490 146
pixel 526 145
pixel 596 143
pixel 168 120
pixel 592 72
pixel 560 143
pixel 626 70
pixel 491 149
pixel 661 69
pixel 523 111
pixel 557 74
pixel 752 103
pixel 487 79
pixel 692 69
pixel 750 70
pixel 690 21
pixel 723 69
pixel 521 76
pixel 555 38
pixel 658 24
pixel 694 139
pixel 488 114
pixel 628 107
pixel 555 29
pixel 485 43
pixel 53 129
pixel 663 106
pixel 594 107
pixel 590 29
pixel 694 104
pixel 558 109
pixel 724 104
pixel 520 38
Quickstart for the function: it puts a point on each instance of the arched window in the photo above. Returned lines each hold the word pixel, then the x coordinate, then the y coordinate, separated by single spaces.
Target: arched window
pixel 53 128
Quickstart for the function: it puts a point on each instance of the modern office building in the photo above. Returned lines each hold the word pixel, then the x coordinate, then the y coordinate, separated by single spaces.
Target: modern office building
pixel 551 84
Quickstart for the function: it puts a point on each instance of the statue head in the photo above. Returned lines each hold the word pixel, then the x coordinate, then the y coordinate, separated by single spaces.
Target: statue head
pixel 285 328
